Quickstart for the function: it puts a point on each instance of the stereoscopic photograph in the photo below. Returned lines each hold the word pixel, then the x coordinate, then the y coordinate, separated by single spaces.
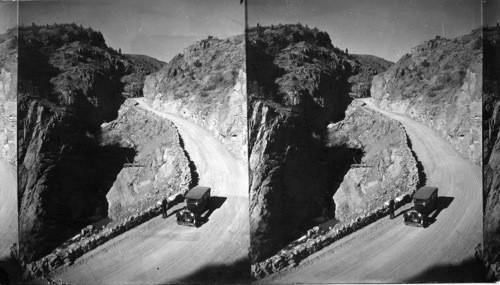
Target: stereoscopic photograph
pixel 249 141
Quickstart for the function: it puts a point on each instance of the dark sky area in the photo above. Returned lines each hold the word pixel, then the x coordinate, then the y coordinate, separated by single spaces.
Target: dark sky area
pixel 385 28
pixel 491 12
pixel 158 28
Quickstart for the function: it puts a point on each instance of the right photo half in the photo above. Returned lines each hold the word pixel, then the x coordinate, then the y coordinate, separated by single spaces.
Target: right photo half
pixel 365 140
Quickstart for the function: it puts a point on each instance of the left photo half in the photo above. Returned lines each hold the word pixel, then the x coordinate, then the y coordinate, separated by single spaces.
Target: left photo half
pixel 9 268
pixel 132 157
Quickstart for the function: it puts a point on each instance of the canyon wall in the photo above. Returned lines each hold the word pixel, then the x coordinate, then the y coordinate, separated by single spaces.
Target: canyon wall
pixel 69 83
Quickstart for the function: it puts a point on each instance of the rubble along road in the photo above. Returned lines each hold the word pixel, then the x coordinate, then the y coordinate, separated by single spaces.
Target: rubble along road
pixel 390 251
pixel 160 251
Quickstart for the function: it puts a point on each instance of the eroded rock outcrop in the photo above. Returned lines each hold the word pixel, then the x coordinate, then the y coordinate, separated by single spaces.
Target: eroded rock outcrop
pixel 160 167
pixel 298 83
pixel 387 168
pixel 439 84
pixel 8 96
pixel 206 85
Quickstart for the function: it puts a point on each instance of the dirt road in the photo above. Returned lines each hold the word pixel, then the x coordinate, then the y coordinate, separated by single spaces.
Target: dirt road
pixel 8 208
pixel 389 251
pixel 160 251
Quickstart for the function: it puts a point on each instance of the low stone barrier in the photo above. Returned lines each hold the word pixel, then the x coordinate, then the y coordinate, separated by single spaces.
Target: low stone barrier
pixel 88 239
pixel 316 240
pixel 490 259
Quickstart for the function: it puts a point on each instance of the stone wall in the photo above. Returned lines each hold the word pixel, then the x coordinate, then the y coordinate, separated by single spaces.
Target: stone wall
pixel 88 239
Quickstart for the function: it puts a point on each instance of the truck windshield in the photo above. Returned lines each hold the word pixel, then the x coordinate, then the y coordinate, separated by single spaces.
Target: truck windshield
pixel 419 204
pixel 191 201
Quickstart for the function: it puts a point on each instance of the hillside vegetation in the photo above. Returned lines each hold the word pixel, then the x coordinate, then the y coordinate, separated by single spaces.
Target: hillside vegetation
pixel 206 84
pixel 440 84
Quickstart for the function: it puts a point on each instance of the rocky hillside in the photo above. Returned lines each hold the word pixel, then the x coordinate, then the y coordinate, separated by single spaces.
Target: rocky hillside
pixel 491 138
pixel 8 96
pixel 298 84
pixel 206 84
pixel 440 84
pixel 70 82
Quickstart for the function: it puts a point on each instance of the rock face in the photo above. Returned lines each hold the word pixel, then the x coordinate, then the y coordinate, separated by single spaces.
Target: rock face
pixel 206 85
pixel 298 84
pixel 439 84
pixel 368 66
pixel 491 140
pixel 8 96
pixel 387 168
pixel 160 167
pixel 69 83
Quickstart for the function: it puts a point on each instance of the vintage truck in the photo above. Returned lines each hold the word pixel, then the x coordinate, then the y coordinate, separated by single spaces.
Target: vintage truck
pixel 424 203
pixel 197 202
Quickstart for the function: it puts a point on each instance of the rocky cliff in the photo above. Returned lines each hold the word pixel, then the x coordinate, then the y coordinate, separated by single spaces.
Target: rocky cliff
pixel 440 84
pixel 8 96
pixel 206 84
pixel 298 83
pixel 70 82
pixel 491 139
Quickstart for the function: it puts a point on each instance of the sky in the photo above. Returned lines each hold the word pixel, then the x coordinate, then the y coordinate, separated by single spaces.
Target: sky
pixel 385 28
pixel 157 28
pixel 491 12
pixel 8 16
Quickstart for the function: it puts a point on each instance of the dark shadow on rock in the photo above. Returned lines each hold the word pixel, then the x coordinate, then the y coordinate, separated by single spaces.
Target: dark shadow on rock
pixel 468 271
pixel 214 204
pixel 80 183
pixel 337 160
pixel 422 177
pixel 442 203
pixel 195 177
pixel 236 273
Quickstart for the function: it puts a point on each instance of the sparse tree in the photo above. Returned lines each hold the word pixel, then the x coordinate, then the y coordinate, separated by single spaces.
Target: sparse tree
pixel 120 51
pixel 346 51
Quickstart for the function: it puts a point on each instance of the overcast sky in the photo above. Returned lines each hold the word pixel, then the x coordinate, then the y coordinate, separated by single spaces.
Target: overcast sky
pixel 385 28
pixel 158 28
pixel 8 16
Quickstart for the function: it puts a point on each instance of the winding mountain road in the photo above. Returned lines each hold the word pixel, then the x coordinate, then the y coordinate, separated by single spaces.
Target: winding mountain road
pixel 389 251
pixel 160 251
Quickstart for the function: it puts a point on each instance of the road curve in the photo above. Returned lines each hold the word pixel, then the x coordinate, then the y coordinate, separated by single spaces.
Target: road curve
pixel 387 250
pixel 160 251
pixel 8 208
